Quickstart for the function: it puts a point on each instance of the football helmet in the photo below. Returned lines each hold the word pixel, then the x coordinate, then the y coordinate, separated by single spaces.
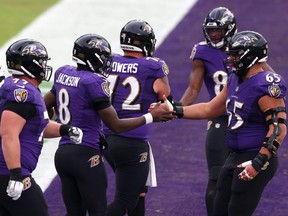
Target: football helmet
pixel 28 57
pixel 245 48
pixel 138 36
pixel 94 52
pixel 220 18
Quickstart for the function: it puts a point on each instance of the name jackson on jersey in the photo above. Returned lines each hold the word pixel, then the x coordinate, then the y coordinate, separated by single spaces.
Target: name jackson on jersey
pixel 64 79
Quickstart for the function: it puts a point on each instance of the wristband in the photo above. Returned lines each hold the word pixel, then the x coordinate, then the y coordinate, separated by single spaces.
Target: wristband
pixel 64 129
pixel 16 174
pixel 260 162
pixel 179 111
pixel 148 118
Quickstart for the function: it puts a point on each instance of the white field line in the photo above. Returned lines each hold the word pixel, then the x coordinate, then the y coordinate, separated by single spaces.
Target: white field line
pixel 62 24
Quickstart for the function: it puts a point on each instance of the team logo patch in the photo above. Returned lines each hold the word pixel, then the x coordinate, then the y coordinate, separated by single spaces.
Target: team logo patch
pixel 26 183
pixel 20 95
pixel 193 52
pixel 94 161
pixel 143 157
pixel 165 69
pixel 105 88
pixel 274 90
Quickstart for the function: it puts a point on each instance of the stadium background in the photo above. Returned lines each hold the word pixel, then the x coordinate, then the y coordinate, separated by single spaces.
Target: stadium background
pixel 178 146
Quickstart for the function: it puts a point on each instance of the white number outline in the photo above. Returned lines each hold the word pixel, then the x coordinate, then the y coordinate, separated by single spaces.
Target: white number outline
pixel 63 108
pixel 135 87
pixel 237 106
pixel 219 83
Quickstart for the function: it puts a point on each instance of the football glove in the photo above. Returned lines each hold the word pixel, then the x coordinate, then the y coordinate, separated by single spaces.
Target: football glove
pixel 15 185
pixel 75 134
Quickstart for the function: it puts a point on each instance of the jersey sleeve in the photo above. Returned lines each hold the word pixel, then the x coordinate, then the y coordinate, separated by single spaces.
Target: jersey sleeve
pixel 198 50
pixel 98 88
pixel 273 84
pixel 157 67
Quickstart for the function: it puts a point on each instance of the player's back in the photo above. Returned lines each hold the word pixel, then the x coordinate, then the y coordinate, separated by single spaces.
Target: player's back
pixel 131 86
pixel 76 93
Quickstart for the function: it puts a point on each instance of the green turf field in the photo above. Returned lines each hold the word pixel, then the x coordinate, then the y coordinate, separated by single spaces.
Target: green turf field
pixel 16 14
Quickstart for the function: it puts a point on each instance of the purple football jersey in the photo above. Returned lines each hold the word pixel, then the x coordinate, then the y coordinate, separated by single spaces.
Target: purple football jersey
pixel 31 137
pixel 215 73
pixel 131 87
pixel 76 93
pixel 247 127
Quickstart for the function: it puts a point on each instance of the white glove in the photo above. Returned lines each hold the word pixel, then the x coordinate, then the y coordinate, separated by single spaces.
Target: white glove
pixel 14 189
pixel 75 134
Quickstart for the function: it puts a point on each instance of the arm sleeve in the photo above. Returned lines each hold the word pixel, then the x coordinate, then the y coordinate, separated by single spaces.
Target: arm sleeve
pixel 25 110
pixel 101 103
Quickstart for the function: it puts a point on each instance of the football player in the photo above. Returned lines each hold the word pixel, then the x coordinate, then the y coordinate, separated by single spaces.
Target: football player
pixel 137 79
pixel 81 96
pixel 207 66
pixel 254 100
pixel 24 124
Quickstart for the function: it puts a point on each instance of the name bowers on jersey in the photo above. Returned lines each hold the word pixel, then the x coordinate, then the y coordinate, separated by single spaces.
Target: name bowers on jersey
pixel 68 80
pixel 125 67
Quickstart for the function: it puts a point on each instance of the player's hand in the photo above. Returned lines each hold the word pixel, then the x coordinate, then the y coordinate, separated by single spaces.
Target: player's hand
pixel 14 189
pixel 75 134
pixel 161 112
pixel 166 105
pixel 249 173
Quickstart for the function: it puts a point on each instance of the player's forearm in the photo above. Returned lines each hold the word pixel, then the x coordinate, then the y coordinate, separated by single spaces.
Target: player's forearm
pixel 188 97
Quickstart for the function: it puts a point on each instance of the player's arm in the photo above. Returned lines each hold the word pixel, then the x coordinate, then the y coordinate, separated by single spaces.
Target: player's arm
pixel 275 113
pixel 13 120
pixel 11 127
pixel 161 87
pixel 50 102
pixel 110 118
pixel 213 108
pixel 195 82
